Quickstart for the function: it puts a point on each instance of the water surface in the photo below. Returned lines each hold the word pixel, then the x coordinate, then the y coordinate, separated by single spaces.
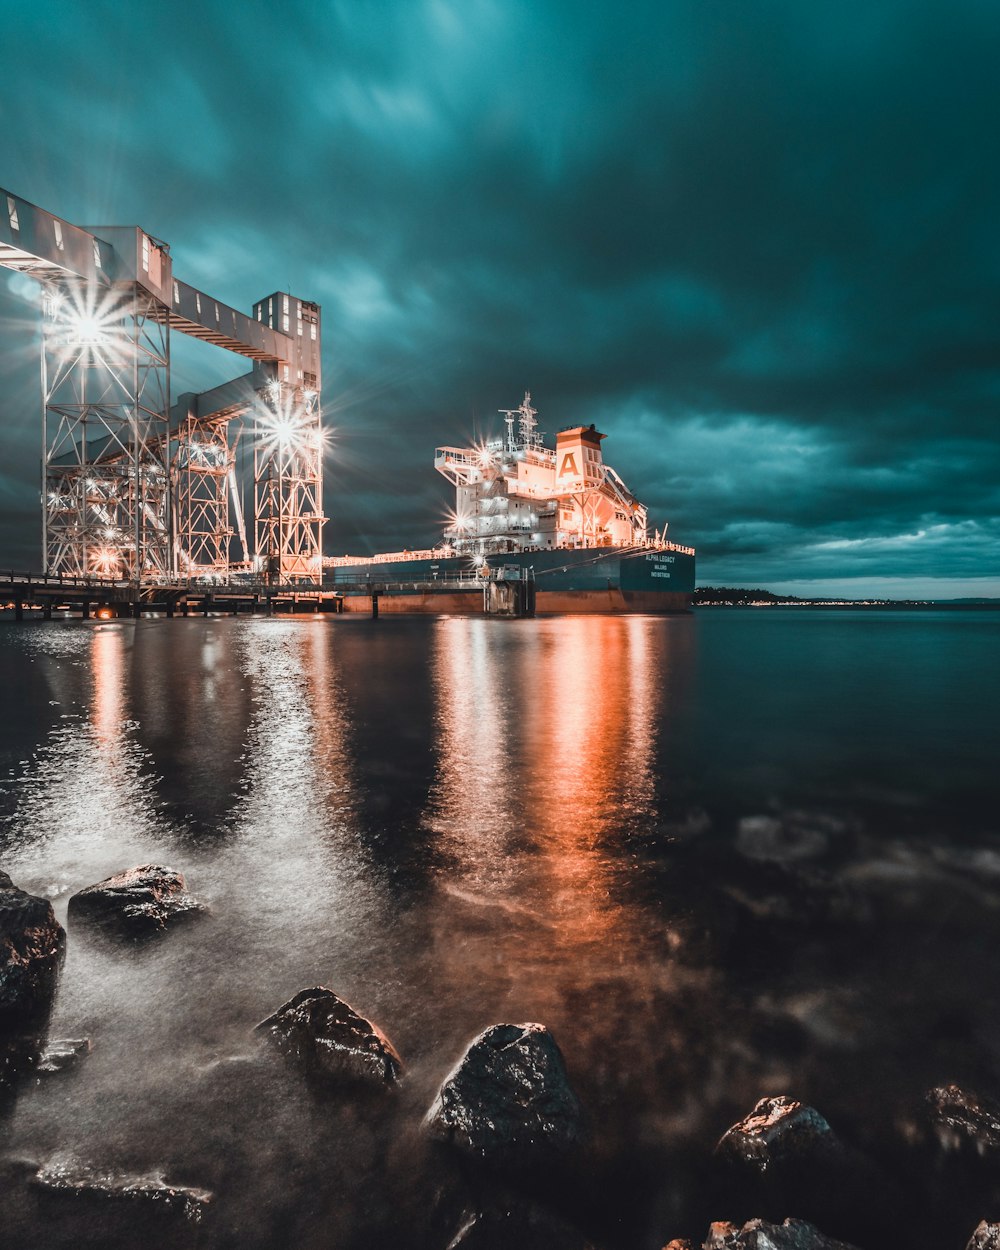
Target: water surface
pixel 453 822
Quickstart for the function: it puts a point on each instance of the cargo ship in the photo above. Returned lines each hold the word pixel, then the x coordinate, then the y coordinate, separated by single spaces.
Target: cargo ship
pixel 559 520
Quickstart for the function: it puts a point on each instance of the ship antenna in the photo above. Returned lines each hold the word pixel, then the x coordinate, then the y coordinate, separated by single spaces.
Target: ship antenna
pixel 525 417
pixel 528 422
pixel 509 416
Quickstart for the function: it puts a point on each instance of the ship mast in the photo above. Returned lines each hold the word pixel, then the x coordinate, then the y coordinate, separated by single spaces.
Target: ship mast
pixel 528 423
pixel 510 416
pixel 524 416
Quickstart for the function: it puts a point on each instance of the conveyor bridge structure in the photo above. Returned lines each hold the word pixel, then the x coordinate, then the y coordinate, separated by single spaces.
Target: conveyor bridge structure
pixel 136 486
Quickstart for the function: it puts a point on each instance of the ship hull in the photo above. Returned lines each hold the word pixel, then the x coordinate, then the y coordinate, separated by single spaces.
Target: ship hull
pixel 591 580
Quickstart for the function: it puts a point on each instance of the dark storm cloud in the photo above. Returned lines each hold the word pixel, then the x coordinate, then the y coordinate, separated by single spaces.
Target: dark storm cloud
pixel 755 242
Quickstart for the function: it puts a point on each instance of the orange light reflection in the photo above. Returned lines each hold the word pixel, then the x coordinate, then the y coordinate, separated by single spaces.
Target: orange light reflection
pixel 568 706
pixel 107 654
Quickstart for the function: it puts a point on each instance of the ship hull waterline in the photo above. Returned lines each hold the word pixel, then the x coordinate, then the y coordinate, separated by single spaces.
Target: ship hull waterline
pixel 585 580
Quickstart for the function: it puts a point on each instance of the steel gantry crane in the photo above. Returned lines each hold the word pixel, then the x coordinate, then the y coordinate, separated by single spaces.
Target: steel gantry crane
pixel 135 486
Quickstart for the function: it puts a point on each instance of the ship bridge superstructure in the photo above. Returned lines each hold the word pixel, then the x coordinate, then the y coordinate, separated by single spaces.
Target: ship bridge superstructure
pixel 516 493
pixel 135 485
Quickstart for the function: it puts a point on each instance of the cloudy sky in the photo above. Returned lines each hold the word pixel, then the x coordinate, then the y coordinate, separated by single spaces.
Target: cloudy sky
pixel 756 241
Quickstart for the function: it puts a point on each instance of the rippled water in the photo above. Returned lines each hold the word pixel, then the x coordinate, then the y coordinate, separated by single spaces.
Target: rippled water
pixel 453 822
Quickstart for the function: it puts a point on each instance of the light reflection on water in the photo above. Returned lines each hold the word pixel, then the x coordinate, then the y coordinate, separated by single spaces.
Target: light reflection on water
pixel 90 781
pixel 545 757
pixel 449 822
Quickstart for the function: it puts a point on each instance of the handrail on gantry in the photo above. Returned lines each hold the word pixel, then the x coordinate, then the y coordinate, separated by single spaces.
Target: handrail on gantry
pixel 43 580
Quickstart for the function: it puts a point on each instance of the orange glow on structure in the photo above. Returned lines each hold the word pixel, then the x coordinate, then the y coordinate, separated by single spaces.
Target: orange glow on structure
pixel 106 562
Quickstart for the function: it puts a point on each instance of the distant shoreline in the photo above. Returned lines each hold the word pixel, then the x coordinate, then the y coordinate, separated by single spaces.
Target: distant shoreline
pixel 895 605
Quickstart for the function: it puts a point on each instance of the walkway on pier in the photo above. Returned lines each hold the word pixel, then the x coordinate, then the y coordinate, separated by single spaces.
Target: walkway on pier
pixel 25 592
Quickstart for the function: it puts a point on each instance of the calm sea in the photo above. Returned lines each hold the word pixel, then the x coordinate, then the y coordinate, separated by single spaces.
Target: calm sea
pixel 725 855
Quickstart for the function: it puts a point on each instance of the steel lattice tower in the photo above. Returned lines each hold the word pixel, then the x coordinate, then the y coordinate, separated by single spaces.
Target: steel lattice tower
pixel 106 398
pixel 204 468
pixel 136 488
pixel 288 484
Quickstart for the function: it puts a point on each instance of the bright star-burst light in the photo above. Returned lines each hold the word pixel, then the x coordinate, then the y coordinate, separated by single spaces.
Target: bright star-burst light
pixel 457 521
pixel 84 319
pixel 289 425
pixel 105 562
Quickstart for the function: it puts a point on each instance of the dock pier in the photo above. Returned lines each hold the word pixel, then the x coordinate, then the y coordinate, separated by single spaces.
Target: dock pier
pixel 504 592
pixel 105 598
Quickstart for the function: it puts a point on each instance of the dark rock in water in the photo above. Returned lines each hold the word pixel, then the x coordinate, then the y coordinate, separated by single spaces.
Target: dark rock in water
pixel 62 1055
pixel 962 1120
pixel 136 903
pixel 32 949
pixel 330 1041
pixel 69 1178
pixel 520 1224
pixel 779 1131
pixel 953 1155
pixel 785 1155
pixel 759 1235
pixel 509 1100
pixel 986 1237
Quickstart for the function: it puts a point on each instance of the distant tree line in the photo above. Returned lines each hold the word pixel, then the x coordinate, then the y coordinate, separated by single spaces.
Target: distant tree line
pixel 738 595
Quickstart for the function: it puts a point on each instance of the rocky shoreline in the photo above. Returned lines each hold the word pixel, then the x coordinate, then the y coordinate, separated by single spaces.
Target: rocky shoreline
pixel 506 1155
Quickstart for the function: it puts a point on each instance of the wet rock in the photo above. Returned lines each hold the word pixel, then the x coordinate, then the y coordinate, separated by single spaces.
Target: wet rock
pixel 951 1146
pixel 759 1235
pixel 677 1244
pixel 785 1155
pixel 509 1100
pixel 521 1224
pixel 321 1034
pixel 963 1121
pixel 136 903
pixel 778 1132
pixel 32 949
pixel 62 1055
pixel 986 1237
pixel 74 1180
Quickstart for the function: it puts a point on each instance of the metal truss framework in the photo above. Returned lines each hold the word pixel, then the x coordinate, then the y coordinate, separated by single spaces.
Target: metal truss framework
pixel 132 487
pixel 288 484
pixel 106 397
pixel 204 466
